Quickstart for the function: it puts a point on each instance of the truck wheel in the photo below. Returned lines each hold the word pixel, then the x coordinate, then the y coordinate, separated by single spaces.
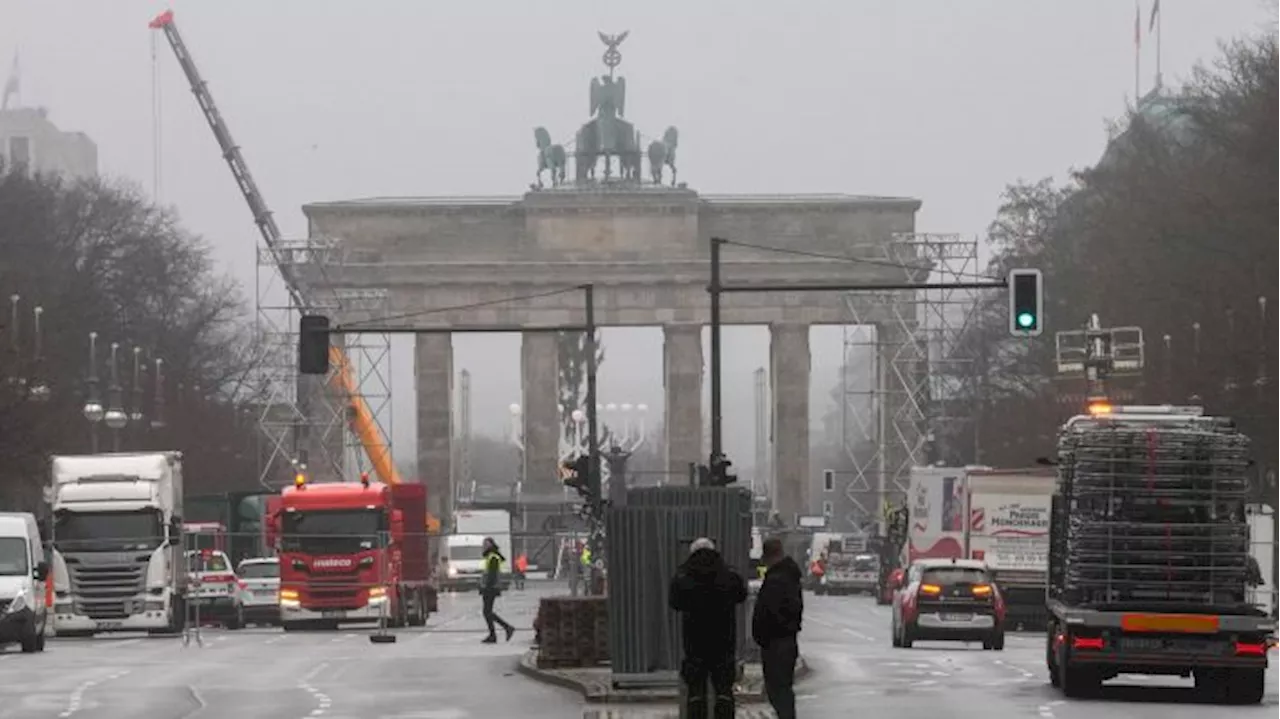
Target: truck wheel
pixel 1244 686
pixel 995 641
pixel 33 642
pixel 290 626
pixel 1078 682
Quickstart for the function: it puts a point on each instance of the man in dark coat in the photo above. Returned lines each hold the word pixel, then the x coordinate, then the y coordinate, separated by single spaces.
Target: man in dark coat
pixel 775 624
pixel 490 588
pixel 707 592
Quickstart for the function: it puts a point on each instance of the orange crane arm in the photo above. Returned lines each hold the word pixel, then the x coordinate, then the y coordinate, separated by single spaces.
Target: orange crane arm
pixel 366 428
pixel 362 420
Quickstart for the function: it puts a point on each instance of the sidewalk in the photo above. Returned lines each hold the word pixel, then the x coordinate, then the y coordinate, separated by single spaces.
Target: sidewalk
pixel 596 683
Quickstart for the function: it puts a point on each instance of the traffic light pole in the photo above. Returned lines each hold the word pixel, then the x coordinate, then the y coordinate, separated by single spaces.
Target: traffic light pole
pixel 716 287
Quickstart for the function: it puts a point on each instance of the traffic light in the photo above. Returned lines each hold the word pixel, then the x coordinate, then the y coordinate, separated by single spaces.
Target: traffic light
pixel 576 474
pixel 720 476
pixel 313 345
pixel 1026 300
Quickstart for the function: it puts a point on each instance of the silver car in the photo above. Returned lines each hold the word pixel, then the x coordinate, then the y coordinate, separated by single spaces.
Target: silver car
pixel 260 598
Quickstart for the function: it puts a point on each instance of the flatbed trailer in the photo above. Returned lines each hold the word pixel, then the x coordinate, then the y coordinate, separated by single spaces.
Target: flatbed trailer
pixel 1225 653
pixel 1149 555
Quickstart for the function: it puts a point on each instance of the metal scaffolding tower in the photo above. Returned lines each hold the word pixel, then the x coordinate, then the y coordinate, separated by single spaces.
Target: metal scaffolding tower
pixel 303 419
pixel 902 373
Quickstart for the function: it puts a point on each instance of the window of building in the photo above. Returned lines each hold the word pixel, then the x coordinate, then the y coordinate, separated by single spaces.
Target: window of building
pixel 828 509
pixel 828 480
pixel 20 151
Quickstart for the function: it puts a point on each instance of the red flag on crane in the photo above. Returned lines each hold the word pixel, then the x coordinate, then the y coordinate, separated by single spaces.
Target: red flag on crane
pixel 161 20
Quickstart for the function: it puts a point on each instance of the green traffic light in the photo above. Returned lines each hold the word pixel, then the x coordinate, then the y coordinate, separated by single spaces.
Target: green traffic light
pixel 1026 320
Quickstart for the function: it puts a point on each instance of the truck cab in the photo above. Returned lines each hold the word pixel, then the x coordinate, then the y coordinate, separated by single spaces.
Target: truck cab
pixel 118 561
pixel 345 555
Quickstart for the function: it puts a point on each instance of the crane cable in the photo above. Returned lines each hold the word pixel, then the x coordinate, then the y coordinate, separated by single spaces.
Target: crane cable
pixel 157 166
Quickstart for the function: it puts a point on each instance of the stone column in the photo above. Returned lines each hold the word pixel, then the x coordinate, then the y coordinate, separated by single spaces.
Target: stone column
pixel 540 376
pixel 433 367
pixel 682 380
pixel 789 370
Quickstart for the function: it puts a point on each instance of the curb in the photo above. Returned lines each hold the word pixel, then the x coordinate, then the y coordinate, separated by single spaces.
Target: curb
pixel 602 693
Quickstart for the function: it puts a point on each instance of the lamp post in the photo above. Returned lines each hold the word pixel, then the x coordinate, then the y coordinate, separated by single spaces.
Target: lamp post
pixel 39 389
pixel 93 410
pixel 115 416
pixel 157 417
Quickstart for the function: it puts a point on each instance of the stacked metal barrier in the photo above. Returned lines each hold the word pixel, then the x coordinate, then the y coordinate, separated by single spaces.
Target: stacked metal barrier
pixel 648 539
pixel 1151 513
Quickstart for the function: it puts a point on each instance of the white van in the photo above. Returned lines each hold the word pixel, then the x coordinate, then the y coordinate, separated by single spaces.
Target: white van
pixel 23 571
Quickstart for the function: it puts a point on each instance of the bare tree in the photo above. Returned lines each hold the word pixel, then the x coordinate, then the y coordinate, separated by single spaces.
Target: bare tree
pixel 97 257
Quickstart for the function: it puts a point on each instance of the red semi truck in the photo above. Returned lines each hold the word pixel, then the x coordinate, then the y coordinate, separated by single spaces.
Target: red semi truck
pixel 353 552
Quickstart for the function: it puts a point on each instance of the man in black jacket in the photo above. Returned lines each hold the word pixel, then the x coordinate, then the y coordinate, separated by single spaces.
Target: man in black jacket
pixel 775 624
pixel 707 592
pixel 490 588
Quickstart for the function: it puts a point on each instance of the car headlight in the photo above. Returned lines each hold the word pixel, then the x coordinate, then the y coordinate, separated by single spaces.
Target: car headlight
pixel 453 571
pixel 17 604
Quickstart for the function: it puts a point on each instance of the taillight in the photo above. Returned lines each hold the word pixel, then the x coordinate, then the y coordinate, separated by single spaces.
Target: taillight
pixel 930 589
pixel 1251 649
pixel 1087 643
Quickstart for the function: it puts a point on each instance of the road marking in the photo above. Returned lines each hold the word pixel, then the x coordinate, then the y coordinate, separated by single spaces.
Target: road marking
pixel 76 700
pixel 1045 711
pixel 199 700
pixel 323 702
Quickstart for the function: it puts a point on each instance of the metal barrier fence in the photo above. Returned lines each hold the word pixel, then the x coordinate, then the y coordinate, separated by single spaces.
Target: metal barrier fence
pixel 648 539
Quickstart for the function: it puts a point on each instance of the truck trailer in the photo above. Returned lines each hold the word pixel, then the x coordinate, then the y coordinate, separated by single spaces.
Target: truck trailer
pixel 1149 565
pixel 118 560
pixel 353 552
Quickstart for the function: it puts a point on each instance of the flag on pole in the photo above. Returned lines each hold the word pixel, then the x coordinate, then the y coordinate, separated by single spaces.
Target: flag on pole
pixel 1137 24
pixel 1155 12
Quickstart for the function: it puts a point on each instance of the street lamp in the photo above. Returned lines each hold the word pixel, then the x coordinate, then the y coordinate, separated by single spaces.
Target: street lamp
pixel 115 417
pixel 39 391
pixel 157 419
pixel 135 414
pixel 93 410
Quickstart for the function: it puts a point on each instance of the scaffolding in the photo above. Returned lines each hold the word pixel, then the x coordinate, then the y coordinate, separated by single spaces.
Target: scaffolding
pixel 903 365
pixel 303 420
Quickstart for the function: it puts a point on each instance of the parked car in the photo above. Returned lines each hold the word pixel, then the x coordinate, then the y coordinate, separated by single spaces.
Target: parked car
pixel 260 598
pixel 949 599
pixel 214 589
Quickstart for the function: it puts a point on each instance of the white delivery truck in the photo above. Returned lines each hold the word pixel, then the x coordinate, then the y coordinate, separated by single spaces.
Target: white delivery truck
pixel 1008 529
pixel 118 560
pixel 465 546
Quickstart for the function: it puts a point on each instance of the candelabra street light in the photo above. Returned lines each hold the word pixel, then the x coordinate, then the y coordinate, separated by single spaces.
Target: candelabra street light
pixel 93 410
pixel 115 416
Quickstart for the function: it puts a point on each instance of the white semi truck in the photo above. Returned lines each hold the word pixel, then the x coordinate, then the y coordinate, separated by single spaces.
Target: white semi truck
pixel 118 559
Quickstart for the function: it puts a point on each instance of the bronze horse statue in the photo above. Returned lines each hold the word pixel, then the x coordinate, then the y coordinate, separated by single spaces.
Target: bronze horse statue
pixel 551 157
pixel 662 154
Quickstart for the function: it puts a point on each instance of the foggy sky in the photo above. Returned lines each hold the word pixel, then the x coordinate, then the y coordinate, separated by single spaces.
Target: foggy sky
pixel 943 101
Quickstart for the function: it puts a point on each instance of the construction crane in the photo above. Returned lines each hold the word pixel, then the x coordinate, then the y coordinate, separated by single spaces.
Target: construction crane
pixel 359 415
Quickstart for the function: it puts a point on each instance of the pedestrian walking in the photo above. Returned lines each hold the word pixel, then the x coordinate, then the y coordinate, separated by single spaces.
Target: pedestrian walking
pixel 707 592
pixel 775 624
pixel 490 588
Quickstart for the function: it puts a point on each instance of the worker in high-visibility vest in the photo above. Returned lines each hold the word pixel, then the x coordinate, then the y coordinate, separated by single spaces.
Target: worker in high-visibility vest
pixel 586 557
pixel 490 588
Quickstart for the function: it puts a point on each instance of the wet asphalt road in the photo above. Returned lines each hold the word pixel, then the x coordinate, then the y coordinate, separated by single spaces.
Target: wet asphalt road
pixel 443 672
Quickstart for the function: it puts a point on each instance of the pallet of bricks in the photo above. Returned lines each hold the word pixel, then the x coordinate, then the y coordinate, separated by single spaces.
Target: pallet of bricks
pixel 574 632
